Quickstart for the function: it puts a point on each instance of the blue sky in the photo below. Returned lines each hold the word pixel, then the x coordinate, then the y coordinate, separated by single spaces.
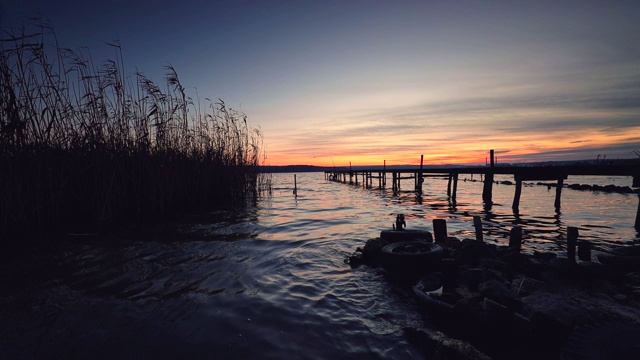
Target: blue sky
pixel 367 81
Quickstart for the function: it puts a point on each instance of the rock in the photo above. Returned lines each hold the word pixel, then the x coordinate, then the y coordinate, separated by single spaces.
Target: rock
pixel 468 252
pixel 545 256
pixel 452 242
pixel 494 264
pixel 438 346
pixel 632 278
pixel 621 298
pixel 531 266
pixel 526 286
pixel 499 293
pixel 473 277
pixel 605 286
pixel 552 317
pixel 372 250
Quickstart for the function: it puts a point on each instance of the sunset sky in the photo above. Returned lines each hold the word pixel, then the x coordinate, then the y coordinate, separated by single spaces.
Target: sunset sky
pixel 329 82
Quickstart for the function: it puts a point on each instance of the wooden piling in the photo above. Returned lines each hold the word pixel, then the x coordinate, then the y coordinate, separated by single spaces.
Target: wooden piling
pixel 295 185
pixel 440 230
pixel 393 182
pixel 384 174
pixel 515 238
pixel 584 250
pixel 419 178
pixel 558 194
pixel 449 184
pixel 572 240
pixel 487 191
pixel 638 214
pixel 477 224
pixel 516 196
pixel 455 186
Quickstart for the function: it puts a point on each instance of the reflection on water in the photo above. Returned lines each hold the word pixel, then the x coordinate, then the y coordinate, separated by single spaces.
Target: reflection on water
pixel 269 282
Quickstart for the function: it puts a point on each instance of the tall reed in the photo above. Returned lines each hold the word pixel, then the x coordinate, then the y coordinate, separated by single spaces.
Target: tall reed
pixel 84 147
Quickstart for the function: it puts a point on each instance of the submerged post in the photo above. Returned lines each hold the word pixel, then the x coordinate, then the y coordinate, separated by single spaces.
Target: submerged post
pixel 488 182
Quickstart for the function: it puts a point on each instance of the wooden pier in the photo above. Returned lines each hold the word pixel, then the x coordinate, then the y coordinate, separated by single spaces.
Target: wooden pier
pixel 558 173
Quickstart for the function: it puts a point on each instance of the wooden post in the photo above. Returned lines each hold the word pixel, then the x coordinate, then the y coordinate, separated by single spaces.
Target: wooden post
pixel 477 223
pixel 488 182
pixel 384 174
pixel 572 240
pixel 455 185
pixel 440 230
pixel 558 193
pixel 295 185
pixel 638 214
pixel 393 181
pixel 584 250
pixel 449 184
pixel 515 238
pixel 516 196
pixel 419 178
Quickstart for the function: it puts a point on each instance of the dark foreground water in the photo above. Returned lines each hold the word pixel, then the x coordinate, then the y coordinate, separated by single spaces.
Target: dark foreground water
pixel 270 282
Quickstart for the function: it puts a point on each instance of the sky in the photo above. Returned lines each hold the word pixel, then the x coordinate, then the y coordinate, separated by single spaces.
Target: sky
pixel 333 82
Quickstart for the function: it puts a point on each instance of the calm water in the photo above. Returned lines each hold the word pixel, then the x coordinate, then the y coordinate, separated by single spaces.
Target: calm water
pixel 271 282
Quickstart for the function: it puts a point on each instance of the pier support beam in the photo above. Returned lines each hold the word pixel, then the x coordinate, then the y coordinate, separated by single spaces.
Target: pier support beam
pixel 394 181
pixel 449 185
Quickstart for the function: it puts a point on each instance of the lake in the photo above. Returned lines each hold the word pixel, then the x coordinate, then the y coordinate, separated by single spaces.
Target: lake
pixel 271 282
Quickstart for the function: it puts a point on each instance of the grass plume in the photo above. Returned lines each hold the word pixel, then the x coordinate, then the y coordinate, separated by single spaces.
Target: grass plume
pixel 84 147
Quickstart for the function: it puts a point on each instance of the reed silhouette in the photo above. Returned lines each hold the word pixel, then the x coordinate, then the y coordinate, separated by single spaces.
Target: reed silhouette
pixel 84 146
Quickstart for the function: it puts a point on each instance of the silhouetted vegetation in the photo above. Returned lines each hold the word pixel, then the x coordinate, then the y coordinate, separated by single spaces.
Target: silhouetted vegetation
pixel 84 147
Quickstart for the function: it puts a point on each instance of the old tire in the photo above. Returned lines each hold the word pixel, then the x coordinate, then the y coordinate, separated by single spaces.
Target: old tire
pixel 411 256
pixel 394 236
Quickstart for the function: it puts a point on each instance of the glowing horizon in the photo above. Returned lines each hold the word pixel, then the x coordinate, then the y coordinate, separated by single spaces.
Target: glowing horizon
pixel 335 82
